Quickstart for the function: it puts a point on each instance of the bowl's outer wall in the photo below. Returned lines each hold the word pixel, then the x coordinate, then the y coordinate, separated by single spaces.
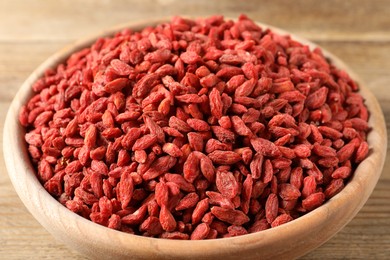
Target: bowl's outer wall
pixel 284 242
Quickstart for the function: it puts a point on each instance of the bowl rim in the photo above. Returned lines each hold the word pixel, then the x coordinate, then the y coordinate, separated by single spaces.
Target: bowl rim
pixel 22 175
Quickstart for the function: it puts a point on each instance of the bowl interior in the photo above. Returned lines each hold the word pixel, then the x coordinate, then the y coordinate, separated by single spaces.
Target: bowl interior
pixel 289 240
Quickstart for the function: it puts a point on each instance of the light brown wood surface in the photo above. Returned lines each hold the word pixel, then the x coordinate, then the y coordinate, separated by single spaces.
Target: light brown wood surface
pixel 356 31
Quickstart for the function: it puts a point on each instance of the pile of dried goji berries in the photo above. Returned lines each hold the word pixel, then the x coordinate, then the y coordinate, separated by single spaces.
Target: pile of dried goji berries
pixel 195 129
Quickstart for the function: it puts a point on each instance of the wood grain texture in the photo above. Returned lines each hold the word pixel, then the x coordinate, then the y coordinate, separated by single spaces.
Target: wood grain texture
pixel 356 31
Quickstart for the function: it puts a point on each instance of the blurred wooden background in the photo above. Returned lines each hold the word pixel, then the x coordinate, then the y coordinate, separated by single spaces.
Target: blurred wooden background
pixel 355 30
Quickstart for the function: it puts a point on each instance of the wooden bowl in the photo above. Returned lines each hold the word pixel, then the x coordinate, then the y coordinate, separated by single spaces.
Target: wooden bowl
pixel 283 242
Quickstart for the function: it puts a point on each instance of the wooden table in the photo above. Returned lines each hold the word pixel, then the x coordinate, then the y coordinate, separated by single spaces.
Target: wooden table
pixel 357 31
